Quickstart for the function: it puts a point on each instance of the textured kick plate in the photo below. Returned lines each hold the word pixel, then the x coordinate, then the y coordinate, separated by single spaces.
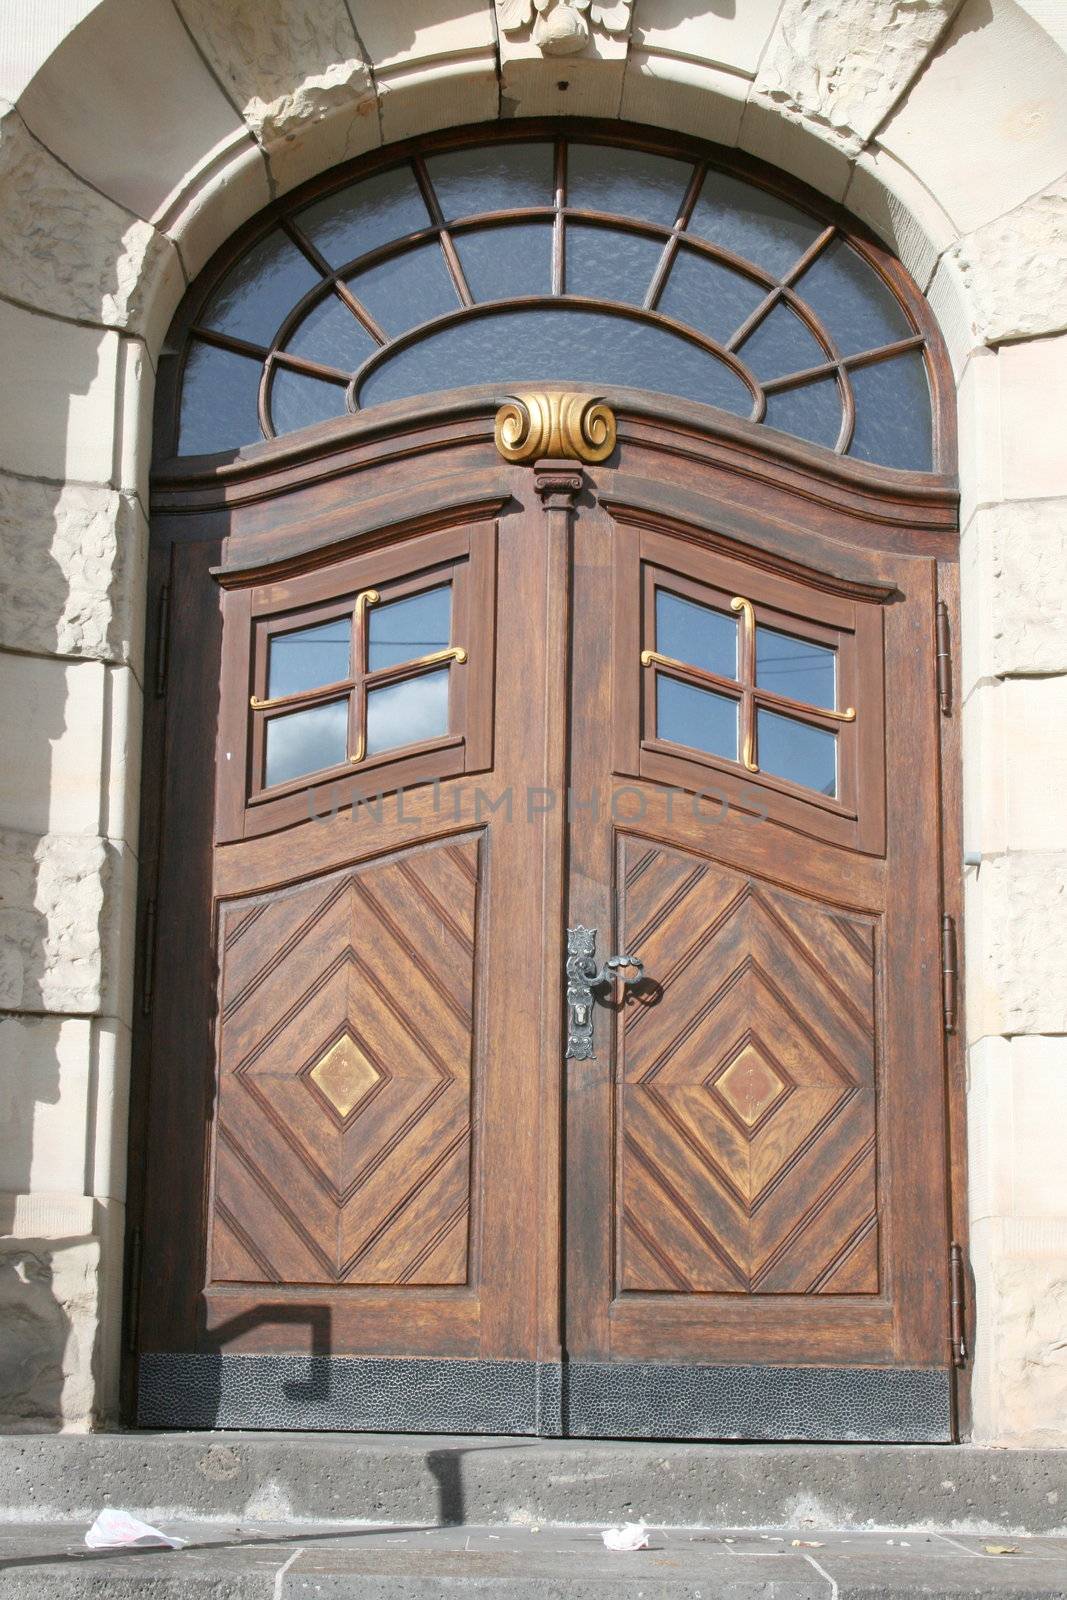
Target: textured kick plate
pixel 649 1400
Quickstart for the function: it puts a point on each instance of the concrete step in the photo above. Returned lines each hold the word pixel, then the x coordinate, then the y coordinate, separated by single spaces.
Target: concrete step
pixel 438 1480
pixel 542 1562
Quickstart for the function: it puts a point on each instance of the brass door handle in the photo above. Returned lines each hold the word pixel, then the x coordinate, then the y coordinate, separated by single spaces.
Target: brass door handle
pixel 582 979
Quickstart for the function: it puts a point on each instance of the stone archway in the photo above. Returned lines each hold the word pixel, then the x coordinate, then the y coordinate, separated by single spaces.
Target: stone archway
pixel 139 137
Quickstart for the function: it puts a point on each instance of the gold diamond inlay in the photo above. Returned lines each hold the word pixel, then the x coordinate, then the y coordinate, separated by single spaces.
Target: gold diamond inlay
pixel 749 1085
pixel 344 1075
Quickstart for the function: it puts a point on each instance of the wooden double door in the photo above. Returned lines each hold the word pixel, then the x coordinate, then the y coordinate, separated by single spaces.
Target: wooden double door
pixel 424 760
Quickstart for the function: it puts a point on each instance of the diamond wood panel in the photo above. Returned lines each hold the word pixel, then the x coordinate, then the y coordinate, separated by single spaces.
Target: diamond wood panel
pixel 345 1077
pixel 747 1091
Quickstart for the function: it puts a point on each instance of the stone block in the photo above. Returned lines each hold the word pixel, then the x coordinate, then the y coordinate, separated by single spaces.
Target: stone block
pixel 106 1171
pixel 45 1069
pixel 408 32
pixel 717 36
pixel 982 126
pixel 1020 1357
pixel 424 95
pixel 1017 1108
pixel 1014 581
pixel 890 199
pixel 1016 940
pixel 1014 269
pixel 29 32
pixel 69 250
pixel 1015 765
pixel 796 144
pixel 1008 450
pixel 843 68
pixel 687 95
pixel 71 570
pixel 136 385
pixel 124 714
pixel 52 736
pixel 57 407
pixel 127 102
pixel 227 186
pixel 535 86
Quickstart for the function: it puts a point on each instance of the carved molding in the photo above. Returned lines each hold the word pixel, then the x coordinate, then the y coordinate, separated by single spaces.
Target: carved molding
pixel 555 423
pixel 562 27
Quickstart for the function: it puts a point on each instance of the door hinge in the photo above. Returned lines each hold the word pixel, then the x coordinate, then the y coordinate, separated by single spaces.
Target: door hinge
pixel 133 1292
pixel 957 1306
pixel 148 963
pixel 944 658
pixel 162 641
pixel 950 973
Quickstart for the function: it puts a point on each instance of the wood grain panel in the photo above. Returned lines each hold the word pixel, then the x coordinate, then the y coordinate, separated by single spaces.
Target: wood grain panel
pixel 345 1076
pixel 746 1092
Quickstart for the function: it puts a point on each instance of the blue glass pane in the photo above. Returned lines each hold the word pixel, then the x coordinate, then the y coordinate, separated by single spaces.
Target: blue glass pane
pixel 695 634
pixel 500 263
pixel 780 345
pixel 751 223
pixel 696 717
pixel 401 630
pixel 306 741
pixel 407 289
pixel 367 214
pixel 893 424
pixel 708 296
pixel 608 264
pixel 308 658
pixel 812 411
pixel 858 308
pixel 630 183
pixel 297 401
pixel 795 750
pixel 556 343
pixel 407 712
pixel 331 334
pixel 262 289
pixel 796 668
pixel 220 401
pixel 499 177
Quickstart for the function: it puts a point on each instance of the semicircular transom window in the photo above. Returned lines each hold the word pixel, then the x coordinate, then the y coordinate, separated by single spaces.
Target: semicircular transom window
pixel 549 259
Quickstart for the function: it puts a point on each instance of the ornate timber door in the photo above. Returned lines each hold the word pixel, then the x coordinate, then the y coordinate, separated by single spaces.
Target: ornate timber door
pixel 757 1200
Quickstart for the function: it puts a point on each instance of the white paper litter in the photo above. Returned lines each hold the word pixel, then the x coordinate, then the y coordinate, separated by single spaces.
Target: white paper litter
pixel 117 1530
pixel 631 1536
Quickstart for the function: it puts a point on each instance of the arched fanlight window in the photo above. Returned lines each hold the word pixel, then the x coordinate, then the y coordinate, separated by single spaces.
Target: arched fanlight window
pixel 531 256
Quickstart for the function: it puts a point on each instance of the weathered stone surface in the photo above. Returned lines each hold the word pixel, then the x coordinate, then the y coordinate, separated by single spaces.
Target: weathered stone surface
pixel 286 66
pixel 1020 1376
pixel 1016 926
pixel 1014 573
pixel 55 910
pixel 844 67
pixel 65 248
pixel 70 559
pixel 1014 269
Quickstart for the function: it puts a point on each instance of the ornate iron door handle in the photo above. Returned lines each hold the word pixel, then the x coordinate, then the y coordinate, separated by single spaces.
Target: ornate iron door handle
pixel 582 979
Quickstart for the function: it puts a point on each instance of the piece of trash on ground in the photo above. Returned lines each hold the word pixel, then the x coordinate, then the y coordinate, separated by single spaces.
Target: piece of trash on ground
pixel 630 1536
pixel 117 1530
pixel 808 1544
pixel 1001 1549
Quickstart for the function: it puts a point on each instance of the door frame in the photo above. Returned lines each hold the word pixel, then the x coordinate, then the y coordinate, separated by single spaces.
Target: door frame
pixel 752 474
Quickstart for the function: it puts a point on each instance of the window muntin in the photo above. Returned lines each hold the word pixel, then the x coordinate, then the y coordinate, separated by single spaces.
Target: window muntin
pixel 368 294
pixel 734 684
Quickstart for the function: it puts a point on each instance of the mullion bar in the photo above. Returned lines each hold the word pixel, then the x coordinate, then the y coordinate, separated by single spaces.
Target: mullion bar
pixel 433 206
pixel 559 248
pixel 670 249
pixel 866 358
pixel 766 306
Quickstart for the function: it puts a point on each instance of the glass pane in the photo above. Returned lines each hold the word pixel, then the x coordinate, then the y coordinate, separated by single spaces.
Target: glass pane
pixel 609 264
pixel 629 183
pixel 708 296
pixel 797 751
pixel 498 177
pixel 405 629
pixel 297 401
pixel 858 308
pixel 407 712
pixel 695 634
pixel 893 424
pixel 557 344
pixel 331 334
pixel 740 217
pixel 500 263
pixel 813 411
pixel 220 401
pixel 307 658
pixel 365 215
pixel 696 717
pixel 796 668
pixel 262 289
pixel 407 289
pixel 306 741
pixel 781 345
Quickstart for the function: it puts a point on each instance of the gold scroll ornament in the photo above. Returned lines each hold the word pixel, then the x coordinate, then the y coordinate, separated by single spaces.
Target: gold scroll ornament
pixel 555 424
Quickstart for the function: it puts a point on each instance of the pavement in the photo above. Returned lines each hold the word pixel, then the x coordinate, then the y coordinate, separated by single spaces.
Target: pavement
pixel 276 1561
